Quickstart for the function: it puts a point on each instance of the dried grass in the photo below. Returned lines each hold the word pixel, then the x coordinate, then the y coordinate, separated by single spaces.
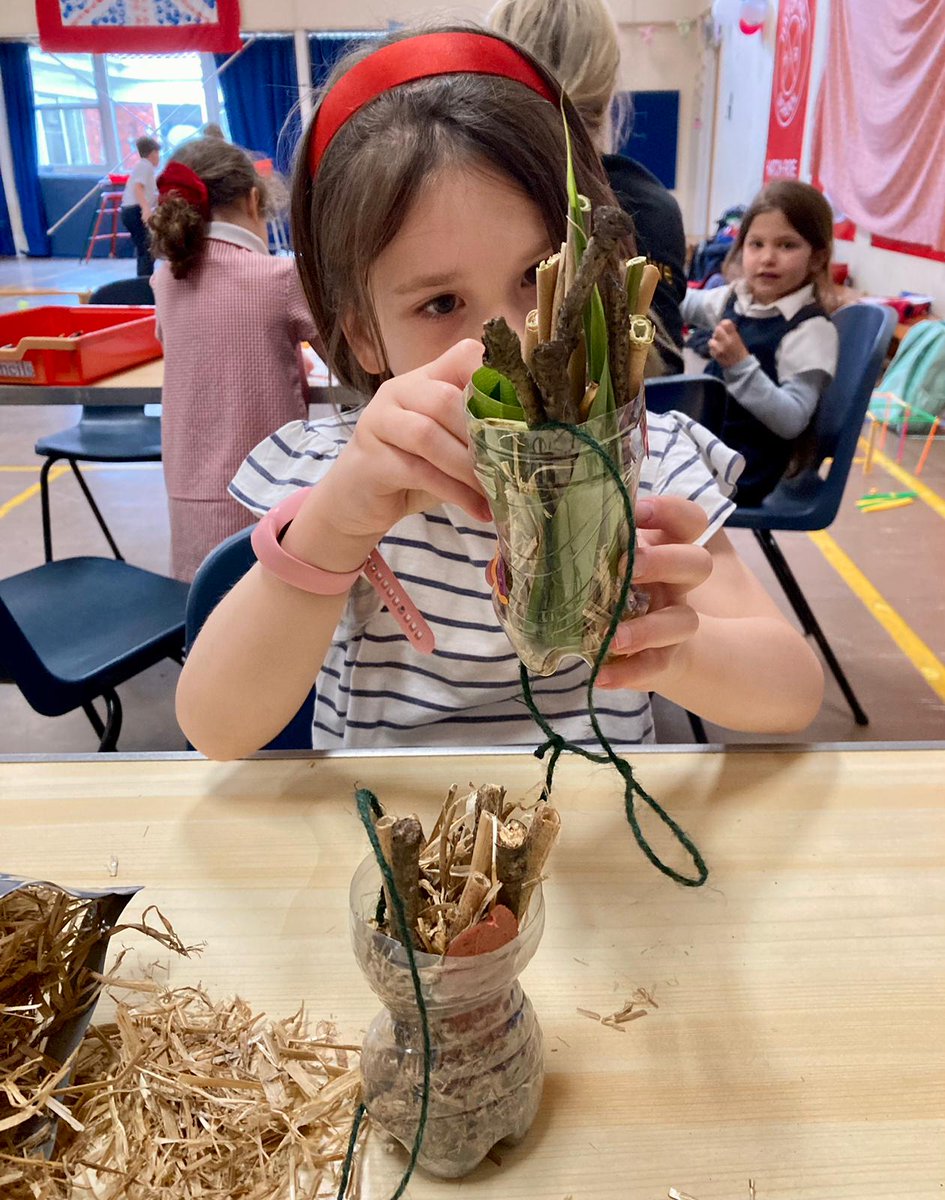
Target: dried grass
pixel 180 1097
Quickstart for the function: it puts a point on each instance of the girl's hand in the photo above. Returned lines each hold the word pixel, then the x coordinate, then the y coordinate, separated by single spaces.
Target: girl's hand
pixel 726 345
pixel 649 651
pixel 409 450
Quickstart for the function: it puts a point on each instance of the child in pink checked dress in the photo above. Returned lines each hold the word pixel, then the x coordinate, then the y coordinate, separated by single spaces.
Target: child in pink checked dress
pixel 231 318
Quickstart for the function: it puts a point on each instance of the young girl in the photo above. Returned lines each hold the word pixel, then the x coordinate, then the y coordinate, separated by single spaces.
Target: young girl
pixel 427 189
pixel 773 343
pixel 231 318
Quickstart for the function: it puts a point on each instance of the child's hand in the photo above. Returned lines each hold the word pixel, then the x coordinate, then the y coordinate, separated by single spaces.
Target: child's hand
pixel 409 449
pixel 726 345
pixel 649 651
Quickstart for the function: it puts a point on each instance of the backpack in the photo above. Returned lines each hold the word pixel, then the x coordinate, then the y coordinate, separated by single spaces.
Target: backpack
pixel 711 253
pixel 915 377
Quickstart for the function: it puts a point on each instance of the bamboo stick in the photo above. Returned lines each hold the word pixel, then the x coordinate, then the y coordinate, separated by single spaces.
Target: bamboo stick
pixel 547 277
pixel 651 277
pixel 474 892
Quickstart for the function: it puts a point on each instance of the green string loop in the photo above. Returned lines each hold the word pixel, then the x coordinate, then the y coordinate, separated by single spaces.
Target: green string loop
pixel 557 744
pixel 368 808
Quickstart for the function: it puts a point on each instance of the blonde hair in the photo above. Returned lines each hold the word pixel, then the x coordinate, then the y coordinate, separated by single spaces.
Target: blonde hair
pixel 577 41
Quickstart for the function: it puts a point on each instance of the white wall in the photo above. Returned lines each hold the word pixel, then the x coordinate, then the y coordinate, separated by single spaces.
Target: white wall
pixel 746 66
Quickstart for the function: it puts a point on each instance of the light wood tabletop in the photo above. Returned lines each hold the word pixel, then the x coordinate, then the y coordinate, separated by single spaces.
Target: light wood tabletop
pixel 797 1039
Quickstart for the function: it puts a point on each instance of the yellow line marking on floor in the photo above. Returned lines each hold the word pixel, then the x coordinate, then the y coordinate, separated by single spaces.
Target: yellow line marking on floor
pixel 922 490
pixel 929 666
pixel 30 492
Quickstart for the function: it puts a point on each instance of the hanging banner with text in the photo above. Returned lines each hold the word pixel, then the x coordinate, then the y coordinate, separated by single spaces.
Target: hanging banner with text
pixel 789 90
pixel 138 26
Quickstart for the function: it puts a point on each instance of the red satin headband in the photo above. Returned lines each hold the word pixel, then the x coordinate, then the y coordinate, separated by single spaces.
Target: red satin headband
pixel 178 180
pixel 414 58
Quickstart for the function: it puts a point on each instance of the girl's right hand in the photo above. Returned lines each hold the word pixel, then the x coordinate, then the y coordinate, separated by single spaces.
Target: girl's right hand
pixel 409 450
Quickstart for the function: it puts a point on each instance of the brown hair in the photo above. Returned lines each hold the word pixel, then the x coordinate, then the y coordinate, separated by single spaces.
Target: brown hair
pixel 178 230
pixel 808 214
pixel 373 170
pixel 146 146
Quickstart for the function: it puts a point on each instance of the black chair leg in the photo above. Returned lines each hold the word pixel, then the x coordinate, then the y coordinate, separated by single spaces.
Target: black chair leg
pixel 44 505
pixel 106 731
pixel 792 589
pixel 95 510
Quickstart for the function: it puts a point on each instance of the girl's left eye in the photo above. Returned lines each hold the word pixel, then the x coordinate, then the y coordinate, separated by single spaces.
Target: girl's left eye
pixel 441 306
pixel 530 278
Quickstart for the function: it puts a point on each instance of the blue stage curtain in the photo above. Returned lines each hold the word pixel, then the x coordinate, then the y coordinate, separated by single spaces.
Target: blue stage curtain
pixel 326 48
pixel 21 119
pixel 260 91
pixel 7 244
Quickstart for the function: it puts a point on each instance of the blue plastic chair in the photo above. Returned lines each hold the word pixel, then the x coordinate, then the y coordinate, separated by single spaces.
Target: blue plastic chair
pixel 811 500
pixel 224 566
pixel 701 397
pixel 104 433
pixel 72 631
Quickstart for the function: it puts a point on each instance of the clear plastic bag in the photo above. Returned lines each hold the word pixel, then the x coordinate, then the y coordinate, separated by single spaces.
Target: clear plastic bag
pixel 487 1066
pixel 562 531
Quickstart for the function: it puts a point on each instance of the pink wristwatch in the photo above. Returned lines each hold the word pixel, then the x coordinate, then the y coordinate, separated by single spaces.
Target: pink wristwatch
pixel 267 545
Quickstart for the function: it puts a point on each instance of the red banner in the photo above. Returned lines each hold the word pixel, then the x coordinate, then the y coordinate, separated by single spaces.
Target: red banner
pixel 138 26
pixel 789 89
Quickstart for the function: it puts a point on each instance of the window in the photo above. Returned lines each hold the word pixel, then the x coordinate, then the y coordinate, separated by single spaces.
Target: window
pixel 90 109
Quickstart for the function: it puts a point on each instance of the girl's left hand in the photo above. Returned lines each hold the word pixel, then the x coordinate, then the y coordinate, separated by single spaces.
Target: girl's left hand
pixel 726 345
pixel 649 651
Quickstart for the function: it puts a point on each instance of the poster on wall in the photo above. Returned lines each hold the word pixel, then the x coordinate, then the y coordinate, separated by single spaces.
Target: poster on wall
pixel 138 26
pixel 789 89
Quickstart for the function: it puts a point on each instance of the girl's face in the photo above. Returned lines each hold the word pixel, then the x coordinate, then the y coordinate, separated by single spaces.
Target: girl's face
pixel 776 260
pixel 466 252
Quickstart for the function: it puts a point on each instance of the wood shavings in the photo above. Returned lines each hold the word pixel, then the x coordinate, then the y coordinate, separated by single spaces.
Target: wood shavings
pixel 677 1195
pixel 751 1189
pixel 586 1012
pixel 186 1097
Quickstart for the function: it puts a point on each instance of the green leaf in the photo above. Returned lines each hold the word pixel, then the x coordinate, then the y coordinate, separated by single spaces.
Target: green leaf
pixel 493 397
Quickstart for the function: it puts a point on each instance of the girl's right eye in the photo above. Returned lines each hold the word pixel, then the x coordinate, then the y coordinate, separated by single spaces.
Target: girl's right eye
pixel 440 306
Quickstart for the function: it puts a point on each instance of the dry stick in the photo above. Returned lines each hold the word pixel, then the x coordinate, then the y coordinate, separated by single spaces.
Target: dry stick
pixel 531 336
pixel 542 834
pixel 642 333
pixel 504 354
pixel 383 827
pixel 610 227
pixel 489 799
pixel 547 276
pixel 406 840
pixel 618 318
pixel 481 860
pixel 511 863
pixel 476 889
pixel 577 373
pixel 550 369
pixel 651 277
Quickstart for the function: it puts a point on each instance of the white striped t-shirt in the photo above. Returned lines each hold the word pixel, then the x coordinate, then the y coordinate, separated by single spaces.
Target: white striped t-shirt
pixel 374 690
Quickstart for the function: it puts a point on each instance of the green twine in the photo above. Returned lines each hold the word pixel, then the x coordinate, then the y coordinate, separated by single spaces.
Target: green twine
pixel 368 808
pixel 557 744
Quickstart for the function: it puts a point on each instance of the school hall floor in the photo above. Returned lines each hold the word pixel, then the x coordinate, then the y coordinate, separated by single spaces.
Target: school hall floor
pixel 875 582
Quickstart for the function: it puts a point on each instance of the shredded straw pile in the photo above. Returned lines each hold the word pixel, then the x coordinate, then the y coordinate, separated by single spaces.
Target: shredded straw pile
pixel 181 1097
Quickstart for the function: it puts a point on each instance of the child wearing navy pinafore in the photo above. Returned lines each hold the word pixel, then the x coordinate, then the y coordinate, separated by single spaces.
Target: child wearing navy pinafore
pixel 773 343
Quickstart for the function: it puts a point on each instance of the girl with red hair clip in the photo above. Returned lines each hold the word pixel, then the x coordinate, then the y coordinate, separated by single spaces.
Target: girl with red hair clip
pixel 231 317
pixel 428 187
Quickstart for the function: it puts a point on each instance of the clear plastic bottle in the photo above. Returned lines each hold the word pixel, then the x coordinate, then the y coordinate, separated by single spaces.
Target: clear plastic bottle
pixel 562 532
pixel 487 1066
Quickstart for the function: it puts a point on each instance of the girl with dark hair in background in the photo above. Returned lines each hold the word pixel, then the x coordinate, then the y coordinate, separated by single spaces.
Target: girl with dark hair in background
pixel 231 318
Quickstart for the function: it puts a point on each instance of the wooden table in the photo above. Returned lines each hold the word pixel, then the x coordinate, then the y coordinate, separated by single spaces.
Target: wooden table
pixel 799 1038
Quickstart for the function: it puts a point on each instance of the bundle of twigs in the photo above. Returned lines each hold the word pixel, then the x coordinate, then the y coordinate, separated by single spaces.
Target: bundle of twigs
pixel 484 851
pixel 184 1097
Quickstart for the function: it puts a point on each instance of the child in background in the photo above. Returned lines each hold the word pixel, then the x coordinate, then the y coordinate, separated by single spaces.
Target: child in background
pixel 231 318
pixel 427 189
pixel 138 201
pixel 772 343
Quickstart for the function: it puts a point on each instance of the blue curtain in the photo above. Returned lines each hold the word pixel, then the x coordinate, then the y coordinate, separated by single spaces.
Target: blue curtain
pixel 7 244
pixel 21 119
pixel 326 48
pixel 260 91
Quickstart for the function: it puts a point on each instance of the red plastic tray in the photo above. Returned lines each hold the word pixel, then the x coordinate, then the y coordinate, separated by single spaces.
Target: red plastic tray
pixel 55 344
